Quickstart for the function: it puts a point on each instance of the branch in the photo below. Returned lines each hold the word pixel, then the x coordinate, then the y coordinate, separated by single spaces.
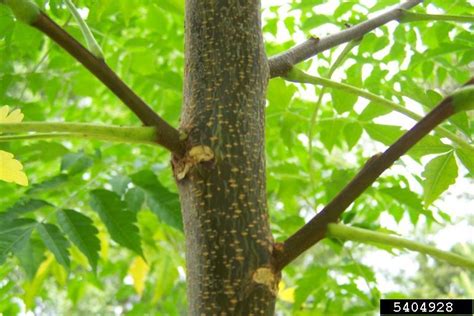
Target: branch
pixel 296 75
pixel 315 230
pixel 366 236
pixel 125 134
pixel 28 12
pixel 415 17
pixel 282 63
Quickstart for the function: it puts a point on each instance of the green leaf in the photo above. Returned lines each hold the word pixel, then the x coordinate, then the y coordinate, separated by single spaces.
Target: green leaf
pixel 134 199
pixel 336 182
pixel 164 203
pixel 343 7
pixel 462 121
pixel 386 134
pixel 439 174
pixel 368 43
pixel 312 280
pixel 14 235
pixel 466 158
pixel 42 150
pixel 352 133
pixel 23 206
pixel 315 20
pixel 428 145
pixel 358 269
pixel 119 221
pixel 373 110
pixel 404 196
pixel 330 132
pixel 75 163
pixel 279 94
pixel 56 242
pixel 49 184
pixel 343 101
pixel 411 202
pixel 81 231
pixel 119 184
pixel 31 255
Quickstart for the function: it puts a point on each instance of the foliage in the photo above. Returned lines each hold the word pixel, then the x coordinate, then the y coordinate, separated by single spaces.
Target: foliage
pixel 87 198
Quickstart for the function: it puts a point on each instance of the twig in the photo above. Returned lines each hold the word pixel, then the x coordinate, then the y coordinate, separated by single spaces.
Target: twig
pixel 28 12
pixel 167 136
pixel 316 228
pixel 282 63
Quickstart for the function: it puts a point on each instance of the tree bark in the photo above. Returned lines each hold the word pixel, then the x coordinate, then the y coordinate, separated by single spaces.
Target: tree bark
pixel 228 239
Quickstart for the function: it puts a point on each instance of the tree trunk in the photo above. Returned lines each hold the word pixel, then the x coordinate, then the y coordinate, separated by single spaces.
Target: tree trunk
pixel 222 177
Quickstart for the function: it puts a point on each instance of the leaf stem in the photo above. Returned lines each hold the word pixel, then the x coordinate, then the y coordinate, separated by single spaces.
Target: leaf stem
pixel 296 75
pixel 92 44
pixel 408 16
pixel 125 134
pixel 366 236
